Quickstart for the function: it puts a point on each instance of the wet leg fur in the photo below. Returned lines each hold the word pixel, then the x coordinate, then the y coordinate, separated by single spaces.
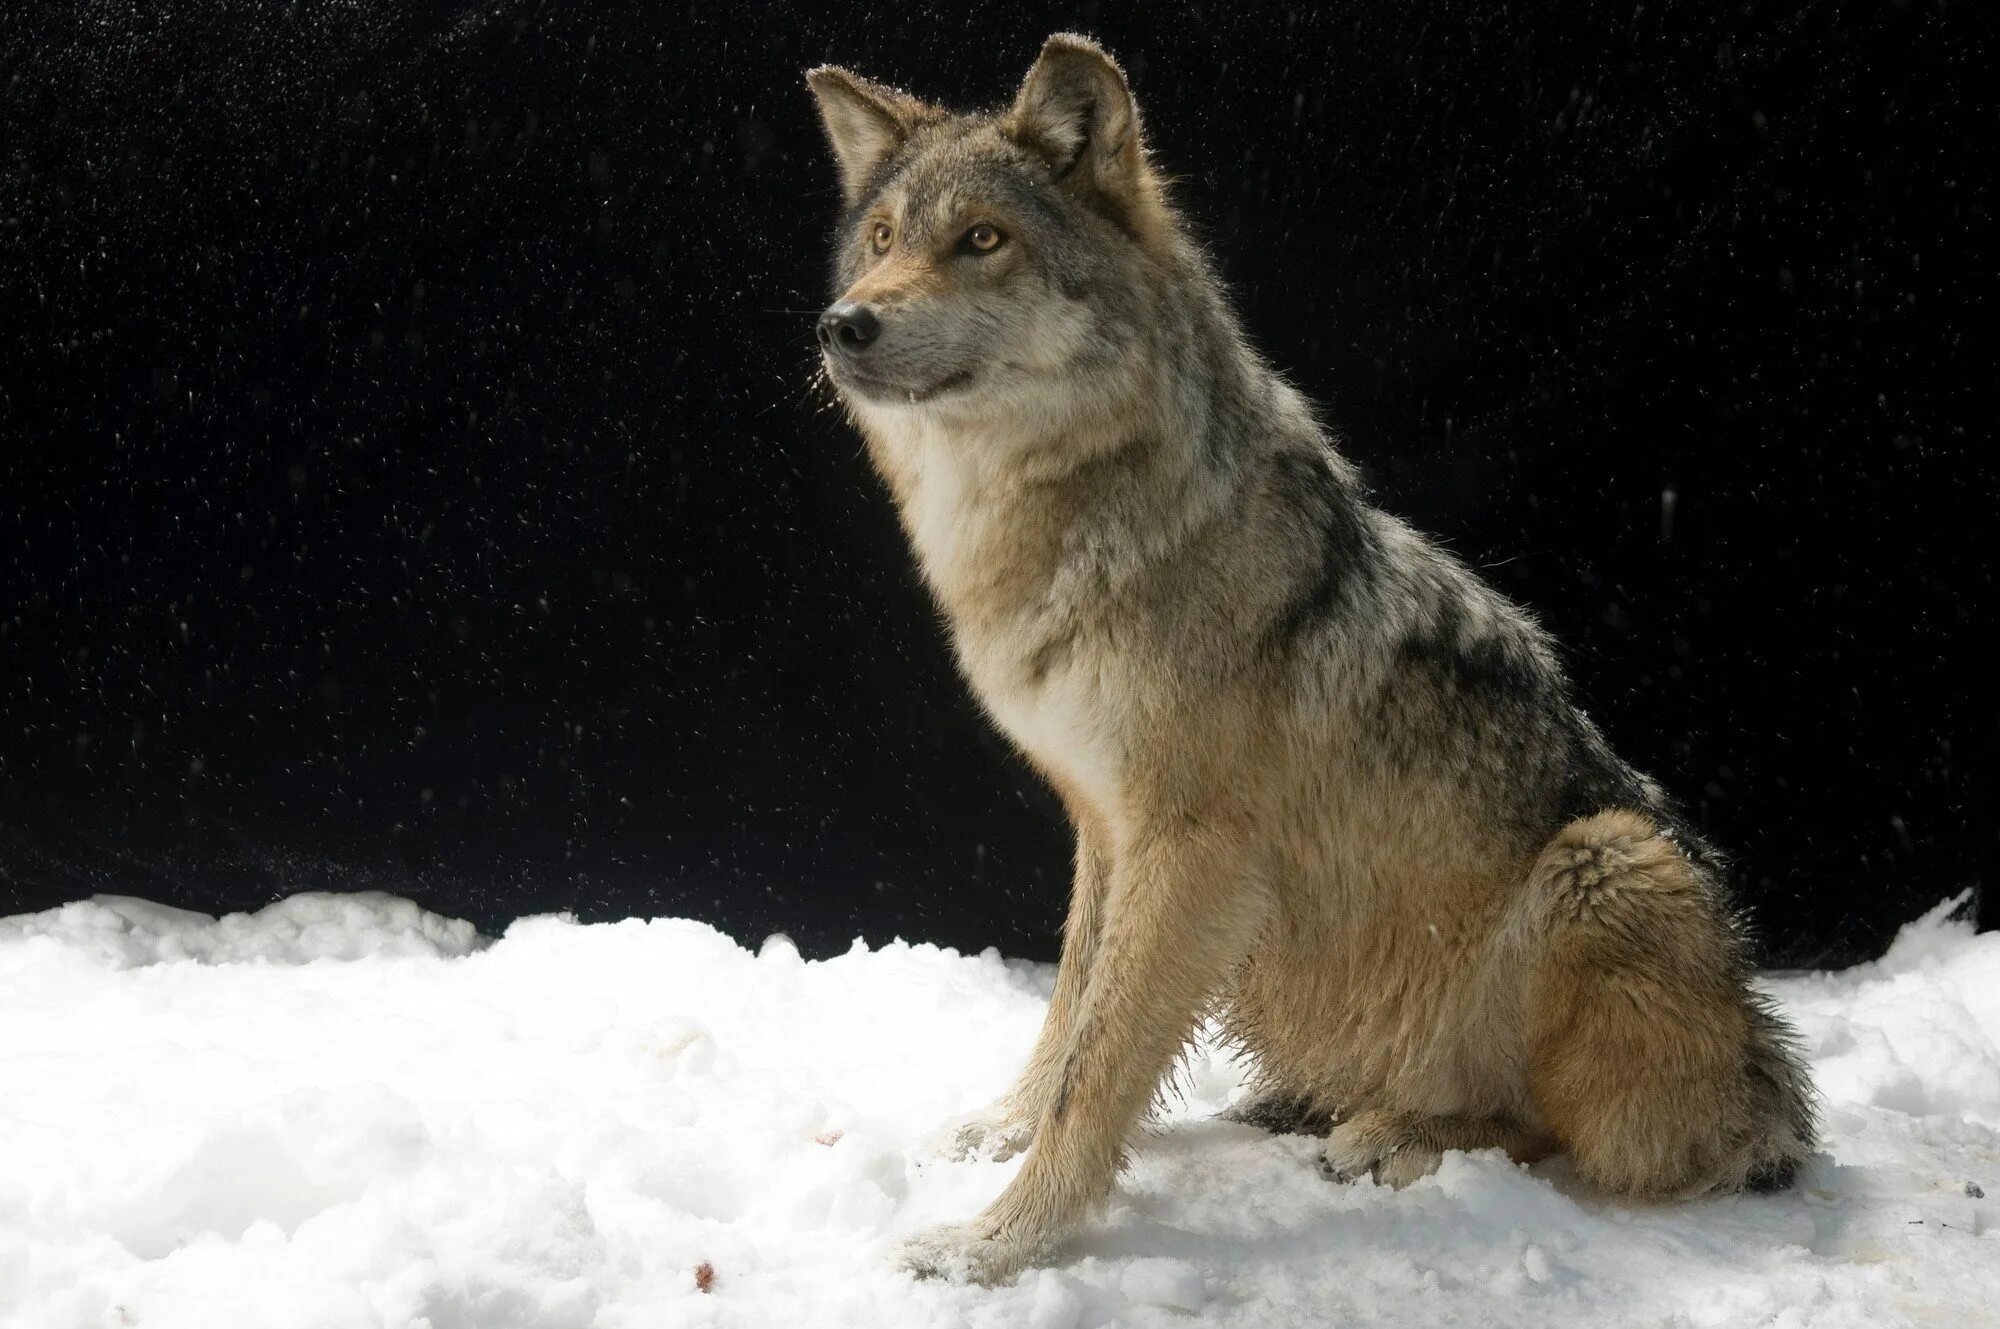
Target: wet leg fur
pixel 1007 1127
pixel 1164 947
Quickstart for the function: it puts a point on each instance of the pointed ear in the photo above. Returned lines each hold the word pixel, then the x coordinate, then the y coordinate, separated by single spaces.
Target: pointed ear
pixel 864 121
pixel 1076 111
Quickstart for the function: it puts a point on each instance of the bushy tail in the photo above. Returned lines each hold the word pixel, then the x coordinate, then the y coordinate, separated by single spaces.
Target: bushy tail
pixel 1786 1109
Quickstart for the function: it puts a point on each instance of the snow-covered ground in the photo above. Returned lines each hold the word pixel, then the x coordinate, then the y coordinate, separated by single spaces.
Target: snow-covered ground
pixel 342 1111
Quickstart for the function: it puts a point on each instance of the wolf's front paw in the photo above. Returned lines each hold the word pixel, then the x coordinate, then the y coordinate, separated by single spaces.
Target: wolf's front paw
pixel 996 1134
pixel 1381 1145
pixel 967 1253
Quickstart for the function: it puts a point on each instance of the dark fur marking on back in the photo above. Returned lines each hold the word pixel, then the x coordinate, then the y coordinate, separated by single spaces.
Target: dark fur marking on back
pixel 1461 692
pixel 1594 779
pixel 1348 547
pixel 1492 670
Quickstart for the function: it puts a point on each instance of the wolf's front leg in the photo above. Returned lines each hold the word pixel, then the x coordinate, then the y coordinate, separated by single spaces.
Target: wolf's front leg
pixel 1005 1128
pixel 1180 909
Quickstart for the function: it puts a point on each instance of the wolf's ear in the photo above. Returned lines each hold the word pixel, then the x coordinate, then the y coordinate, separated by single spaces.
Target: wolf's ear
pixel 1076 111
pixel 865 122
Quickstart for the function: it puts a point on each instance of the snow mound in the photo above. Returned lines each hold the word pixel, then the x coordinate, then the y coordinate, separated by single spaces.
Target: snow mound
pixel 342 1111
pixel 123 933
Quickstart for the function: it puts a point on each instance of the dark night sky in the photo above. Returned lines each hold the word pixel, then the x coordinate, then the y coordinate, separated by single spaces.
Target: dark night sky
pixel 409 479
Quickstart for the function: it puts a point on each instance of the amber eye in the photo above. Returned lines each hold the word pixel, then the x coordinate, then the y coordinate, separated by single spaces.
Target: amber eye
pixel 983 239
pixel 882 236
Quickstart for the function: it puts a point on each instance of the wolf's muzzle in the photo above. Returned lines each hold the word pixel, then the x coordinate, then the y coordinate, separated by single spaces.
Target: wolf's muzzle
pixel 847 328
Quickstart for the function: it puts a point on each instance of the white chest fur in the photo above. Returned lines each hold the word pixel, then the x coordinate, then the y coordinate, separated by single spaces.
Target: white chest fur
pixel 1066 721
pixel 974 541
pixel 945 518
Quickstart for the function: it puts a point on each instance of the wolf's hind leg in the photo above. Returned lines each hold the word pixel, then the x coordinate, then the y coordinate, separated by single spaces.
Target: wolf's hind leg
pixel 1396 1148
pixel 1649 1057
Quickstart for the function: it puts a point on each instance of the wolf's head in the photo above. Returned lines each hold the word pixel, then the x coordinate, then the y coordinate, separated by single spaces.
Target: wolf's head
pixel 991 267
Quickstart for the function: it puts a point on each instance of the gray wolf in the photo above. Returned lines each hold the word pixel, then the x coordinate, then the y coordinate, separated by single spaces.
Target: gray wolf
pixel 1326 784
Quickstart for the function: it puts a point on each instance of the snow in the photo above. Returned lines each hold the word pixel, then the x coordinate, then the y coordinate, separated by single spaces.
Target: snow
pixel 342 1111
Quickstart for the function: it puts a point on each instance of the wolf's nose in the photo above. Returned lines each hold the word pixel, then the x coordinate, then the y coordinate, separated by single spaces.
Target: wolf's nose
pixel 848 327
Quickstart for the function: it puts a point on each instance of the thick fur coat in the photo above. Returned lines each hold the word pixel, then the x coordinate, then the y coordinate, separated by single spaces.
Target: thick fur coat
pixel 1324 781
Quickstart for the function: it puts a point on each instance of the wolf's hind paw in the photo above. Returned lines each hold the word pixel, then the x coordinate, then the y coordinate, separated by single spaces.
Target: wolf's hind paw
pixel 1380 1146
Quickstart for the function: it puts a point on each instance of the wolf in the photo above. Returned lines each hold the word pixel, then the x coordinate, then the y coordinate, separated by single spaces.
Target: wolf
pixel 1327 786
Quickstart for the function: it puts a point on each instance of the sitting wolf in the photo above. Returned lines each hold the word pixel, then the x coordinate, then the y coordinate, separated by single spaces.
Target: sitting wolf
pixel 1324 781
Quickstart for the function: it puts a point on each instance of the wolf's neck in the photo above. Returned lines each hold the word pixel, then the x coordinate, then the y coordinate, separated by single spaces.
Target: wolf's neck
pixel 1064 525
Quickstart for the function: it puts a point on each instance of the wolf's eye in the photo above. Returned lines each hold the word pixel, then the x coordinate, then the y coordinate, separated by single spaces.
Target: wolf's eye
pixel 982 239
pixel 882 236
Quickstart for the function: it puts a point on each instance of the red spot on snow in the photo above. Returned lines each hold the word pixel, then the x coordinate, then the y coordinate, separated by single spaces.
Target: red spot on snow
pixel 827 1138
pixel 704 1276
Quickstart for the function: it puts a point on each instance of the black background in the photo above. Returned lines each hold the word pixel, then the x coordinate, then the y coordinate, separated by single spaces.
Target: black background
pixel 409 479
